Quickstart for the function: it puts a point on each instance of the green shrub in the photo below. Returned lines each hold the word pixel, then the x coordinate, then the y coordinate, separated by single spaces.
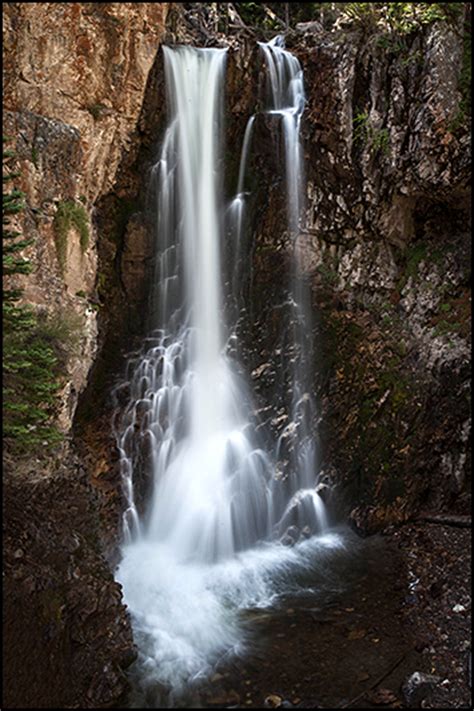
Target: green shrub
pixel 400 18
pixel 376 139
pixel 35 346
pixel 69 214
pixel 96 110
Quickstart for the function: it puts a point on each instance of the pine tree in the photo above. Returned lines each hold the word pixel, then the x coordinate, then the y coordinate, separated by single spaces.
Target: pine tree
pixel 30 363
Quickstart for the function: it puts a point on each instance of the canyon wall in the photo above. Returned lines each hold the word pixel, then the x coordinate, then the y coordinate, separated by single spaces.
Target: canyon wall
pixel 385 244
pixel 75 76
pixel 385 247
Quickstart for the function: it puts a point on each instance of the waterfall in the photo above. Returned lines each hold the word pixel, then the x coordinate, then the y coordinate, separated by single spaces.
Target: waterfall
pixel 287 102
pixel 204 504
pixel 211 493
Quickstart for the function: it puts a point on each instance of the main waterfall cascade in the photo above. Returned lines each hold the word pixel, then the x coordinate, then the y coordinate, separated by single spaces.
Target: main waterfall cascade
pixel 206 542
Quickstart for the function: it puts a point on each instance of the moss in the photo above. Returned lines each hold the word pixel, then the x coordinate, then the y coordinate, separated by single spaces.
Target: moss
pixel 328 275
pixel 52 605
pixel 376 139
pixel 96 110
pixel 34 156
pixel 69 214
pixel 415 254
pixel 380 140
pixel 442 327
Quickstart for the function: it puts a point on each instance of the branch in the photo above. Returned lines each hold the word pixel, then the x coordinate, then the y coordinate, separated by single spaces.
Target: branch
pixel 445 520
pixel 273 17
pixel 375 684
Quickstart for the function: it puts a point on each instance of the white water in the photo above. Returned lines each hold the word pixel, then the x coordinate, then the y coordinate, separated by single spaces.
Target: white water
pixel 287 102
pixel 205 542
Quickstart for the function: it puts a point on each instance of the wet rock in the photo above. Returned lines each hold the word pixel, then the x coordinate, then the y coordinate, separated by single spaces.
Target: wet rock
pixel 324 491
pixel 417 687
pixel 291 536
pixel 66 608
pixel 294 532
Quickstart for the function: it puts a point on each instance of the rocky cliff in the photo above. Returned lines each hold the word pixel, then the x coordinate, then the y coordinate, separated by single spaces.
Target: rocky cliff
pixel 385 247
pixel 75 76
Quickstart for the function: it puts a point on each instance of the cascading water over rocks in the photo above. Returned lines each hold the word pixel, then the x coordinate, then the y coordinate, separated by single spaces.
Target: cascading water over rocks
pixel 214 494
pixel 287 102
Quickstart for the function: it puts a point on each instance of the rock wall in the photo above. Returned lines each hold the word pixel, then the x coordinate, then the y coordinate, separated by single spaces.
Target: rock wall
pixel 74 79
pixel 385 244
pixel 66 633
pixel 75 76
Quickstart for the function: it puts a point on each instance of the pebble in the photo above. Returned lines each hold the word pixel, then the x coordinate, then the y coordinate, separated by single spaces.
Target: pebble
pixel 417 686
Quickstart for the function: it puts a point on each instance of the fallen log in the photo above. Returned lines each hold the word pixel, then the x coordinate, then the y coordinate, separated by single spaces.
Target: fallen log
pixel 444 520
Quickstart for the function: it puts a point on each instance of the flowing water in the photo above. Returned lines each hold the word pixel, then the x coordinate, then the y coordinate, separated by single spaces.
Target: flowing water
pixel 201 540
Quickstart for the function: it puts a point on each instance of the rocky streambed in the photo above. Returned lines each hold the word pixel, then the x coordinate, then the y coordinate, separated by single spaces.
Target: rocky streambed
pixel 391 605
pixel 395 635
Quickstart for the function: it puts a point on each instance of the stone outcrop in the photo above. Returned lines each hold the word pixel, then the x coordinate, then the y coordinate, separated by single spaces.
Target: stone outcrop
pixel 74 81
pixel 384 247
pixel 67 635
pixel 385 244
pixel 75 77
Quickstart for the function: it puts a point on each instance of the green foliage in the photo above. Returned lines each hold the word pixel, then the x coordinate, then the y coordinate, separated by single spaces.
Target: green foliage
pixel 34 346
pixel 251 12
pixel 377 139
pixel 96 110
pixel 329 276
pixel 68 215
pixel 444 327
pixel 34 361
pixel 399 18
pixel 415 254
pixel 34 156
pixel 12 205
pixel 380 140
pixel 364 14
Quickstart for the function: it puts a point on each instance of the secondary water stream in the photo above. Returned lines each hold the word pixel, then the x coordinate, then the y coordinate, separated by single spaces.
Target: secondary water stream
pixel 202 542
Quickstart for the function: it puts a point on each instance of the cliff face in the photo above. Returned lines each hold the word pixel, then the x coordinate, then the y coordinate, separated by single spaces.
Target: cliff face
pixel 75 77
pixel 385 247
pixel 388 245
pixel 74 81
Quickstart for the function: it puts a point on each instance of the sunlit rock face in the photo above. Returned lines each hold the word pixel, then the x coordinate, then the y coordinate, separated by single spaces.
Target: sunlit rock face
pixel 386 249
pixel 74 80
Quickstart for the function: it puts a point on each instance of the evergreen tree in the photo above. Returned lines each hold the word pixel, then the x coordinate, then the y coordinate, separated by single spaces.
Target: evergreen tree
pixel 30 365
